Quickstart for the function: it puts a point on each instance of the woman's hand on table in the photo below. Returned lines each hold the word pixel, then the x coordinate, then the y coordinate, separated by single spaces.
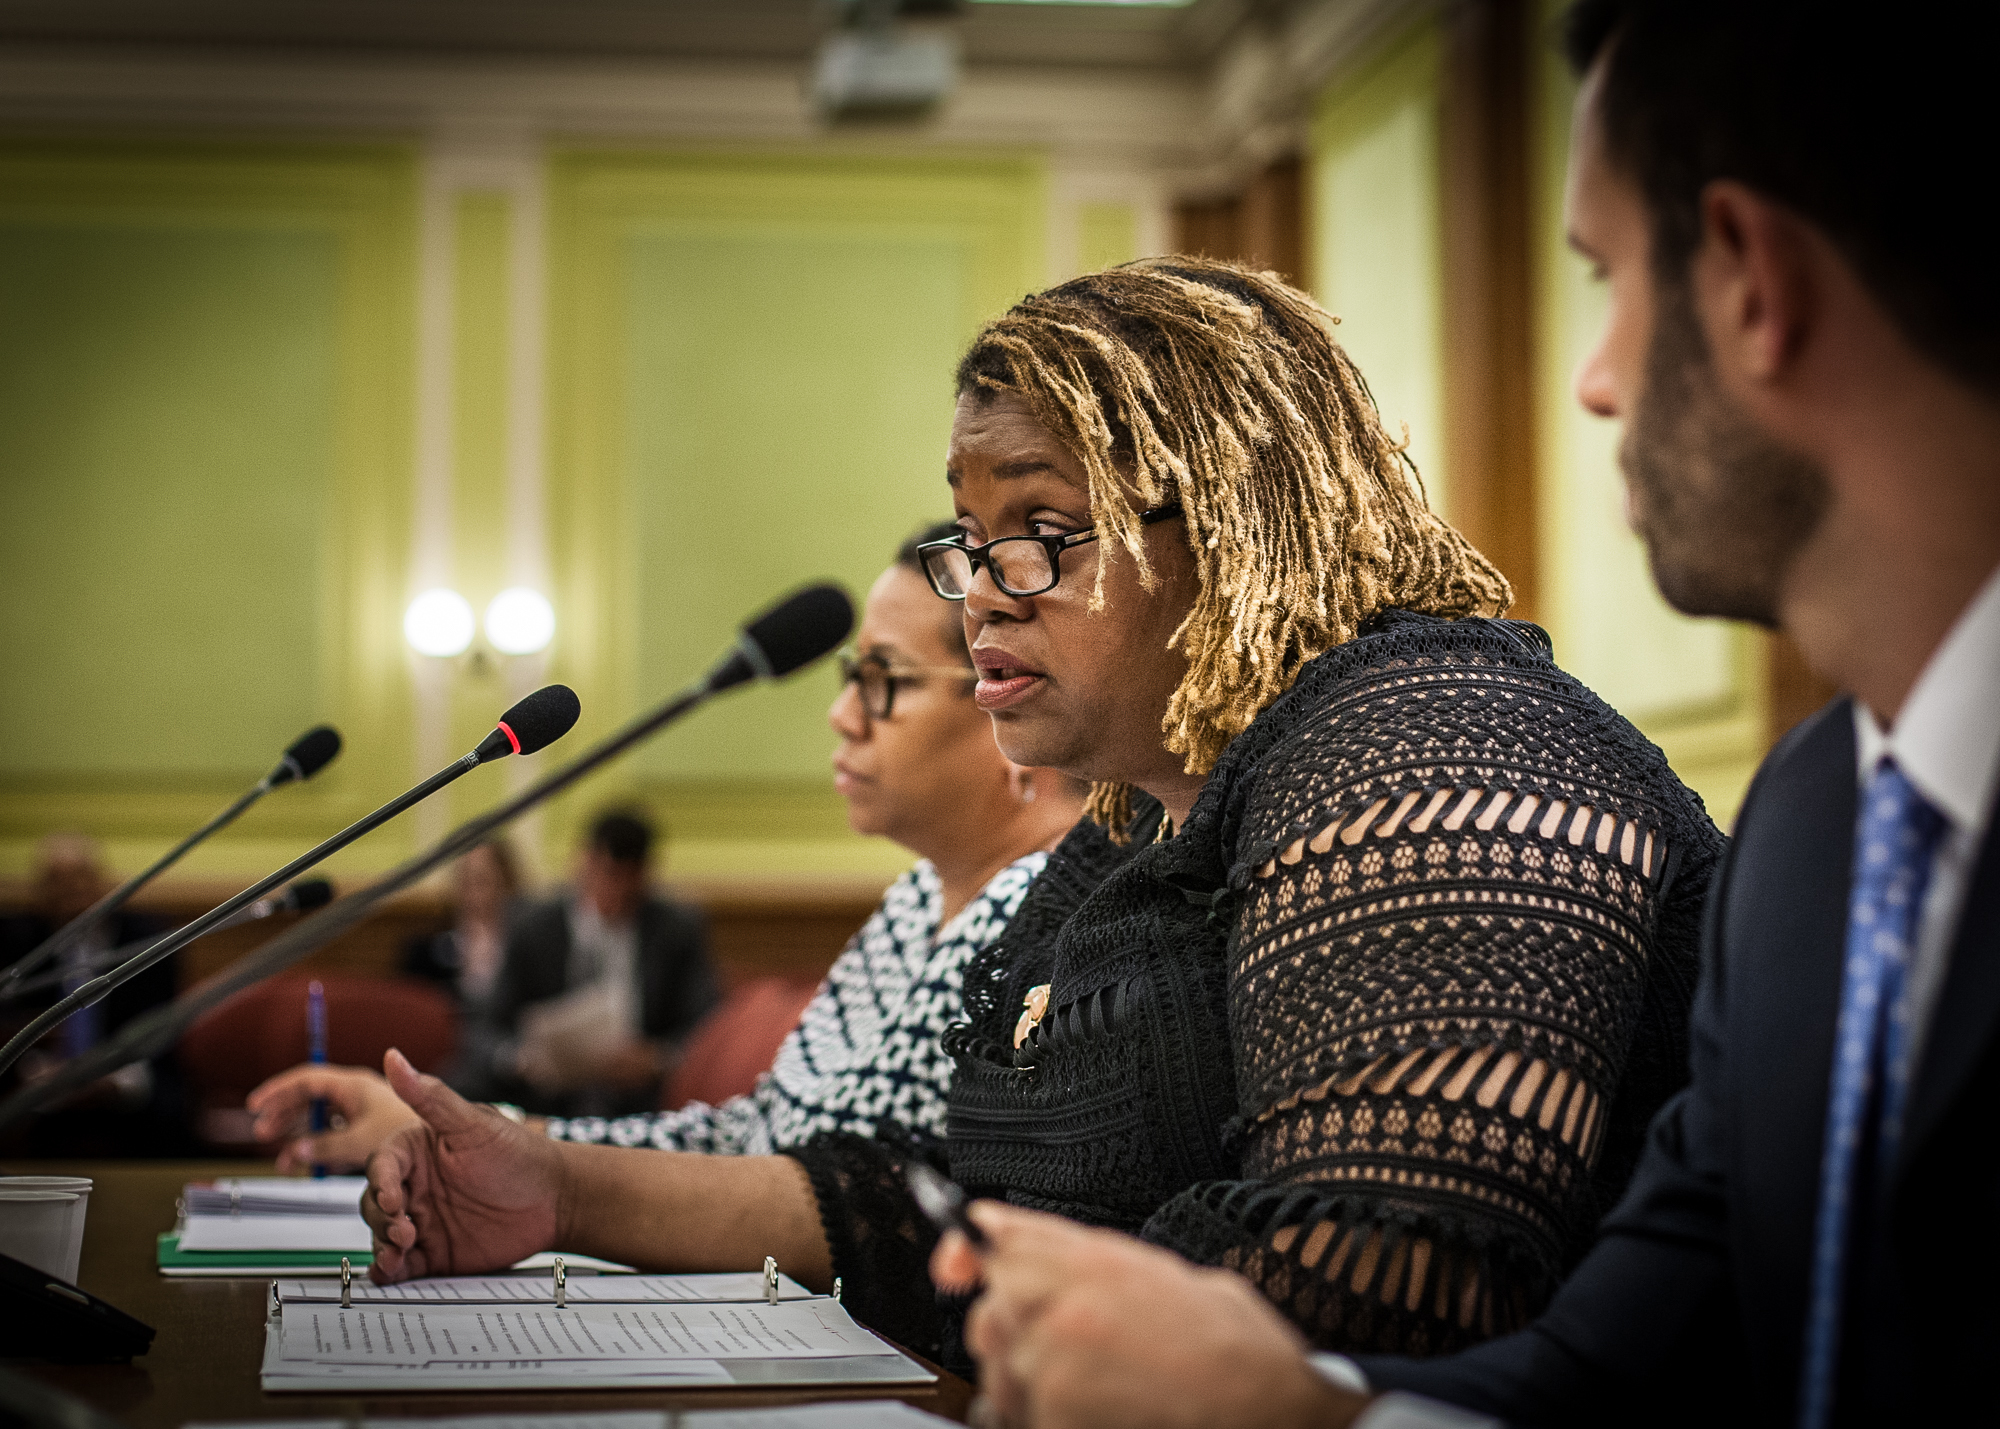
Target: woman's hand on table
pixel 459 1191
pixel 366 1109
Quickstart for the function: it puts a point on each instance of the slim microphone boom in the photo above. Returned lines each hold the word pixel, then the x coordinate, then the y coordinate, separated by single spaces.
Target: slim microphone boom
pixel 302 897
pixel 539 720
pixel 794 633
pixel 308 754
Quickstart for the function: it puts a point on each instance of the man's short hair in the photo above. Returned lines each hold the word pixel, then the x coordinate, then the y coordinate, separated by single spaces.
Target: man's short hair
pixel 1875 125
pixel 622 837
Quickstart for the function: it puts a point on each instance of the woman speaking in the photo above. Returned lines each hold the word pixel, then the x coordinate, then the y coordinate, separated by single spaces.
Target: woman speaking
pixel 1376 963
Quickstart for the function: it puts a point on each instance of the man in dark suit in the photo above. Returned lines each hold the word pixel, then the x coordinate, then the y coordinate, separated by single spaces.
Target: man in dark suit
pixel 599 989
pixel 1803 344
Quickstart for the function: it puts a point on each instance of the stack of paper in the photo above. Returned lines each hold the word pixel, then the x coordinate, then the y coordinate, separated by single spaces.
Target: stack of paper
pixel 240 1196
pixel 483 1333
pixel 268 1225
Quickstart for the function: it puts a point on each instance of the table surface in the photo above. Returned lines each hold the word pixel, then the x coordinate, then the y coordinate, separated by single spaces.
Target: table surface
pixel 204 1362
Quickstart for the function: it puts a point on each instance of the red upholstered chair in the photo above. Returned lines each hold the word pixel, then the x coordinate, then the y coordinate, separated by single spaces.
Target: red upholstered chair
pixel 262 1031
pixel 737 1042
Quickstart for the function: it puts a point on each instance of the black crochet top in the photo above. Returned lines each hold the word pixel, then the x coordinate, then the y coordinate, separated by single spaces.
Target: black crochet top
pixel 1381 1027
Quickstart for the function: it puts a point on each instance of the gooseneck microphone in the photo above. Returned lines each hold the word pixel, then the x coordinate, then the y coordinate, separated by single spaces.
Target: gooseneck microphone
pixel 302 897
pixel 792 634
pixel 308 754
pixel 539 720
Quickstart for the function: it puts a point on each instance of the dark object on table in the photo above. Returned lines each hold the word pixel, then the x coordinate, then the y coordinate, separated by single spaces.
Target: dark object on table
pixel 42 1317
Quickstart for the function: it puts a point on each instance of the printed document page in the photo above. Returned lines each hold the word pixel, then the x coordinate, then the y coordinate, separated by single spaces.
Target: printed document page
pixel 540 1289
pixel 419 1335
pixel 280 1376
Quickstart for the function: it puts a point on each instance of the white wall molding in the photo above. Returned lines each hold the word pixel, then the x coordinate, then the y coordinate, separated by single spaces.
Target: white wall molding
pixel 1072 185
pixel 474 151
pixel 1149 118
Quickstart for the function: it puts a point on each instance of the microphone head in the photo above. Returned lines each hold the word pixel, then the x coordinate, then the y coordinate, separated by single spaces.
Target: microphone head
pixel 309 753
pixel 793 633
pixel 308 894
pixel 535 723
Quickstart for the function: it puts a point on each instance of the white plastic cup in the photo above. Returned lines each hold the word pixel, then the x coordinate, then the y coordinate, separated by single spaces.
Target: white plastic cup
pixel 41 1221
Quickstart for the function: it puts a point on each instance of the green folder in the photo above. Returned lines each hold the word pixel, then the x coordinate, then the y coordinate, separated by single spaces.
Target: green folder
pixel 173 1260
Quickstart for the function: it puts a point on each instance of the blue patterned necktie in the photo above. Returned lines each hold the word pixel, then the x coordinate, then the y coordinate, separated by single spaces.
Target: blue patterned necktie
pixel 1896 836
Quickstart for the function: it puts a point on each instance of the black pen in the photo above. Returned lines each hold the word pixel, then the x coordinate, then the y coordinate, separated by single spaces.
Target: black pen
pixel 943 1203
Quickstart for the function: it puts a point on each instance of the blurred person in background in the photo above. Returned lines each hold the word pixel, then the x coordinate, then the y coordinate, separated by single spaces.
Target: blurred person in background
pixel 466 958
pixel 916 763
pixel 139 1110
pixel 599 988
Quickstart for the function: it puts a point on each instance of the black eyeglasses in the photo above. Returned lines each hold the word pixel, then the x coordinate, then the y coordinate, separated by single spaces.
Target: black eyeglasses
pixel 878 679
pixel 1021 565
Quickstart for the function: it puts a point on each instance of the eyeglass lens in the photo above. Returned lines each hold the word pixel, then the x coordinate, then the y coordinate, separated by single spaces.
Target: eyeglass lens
pixel 878 686
pixel 1020 567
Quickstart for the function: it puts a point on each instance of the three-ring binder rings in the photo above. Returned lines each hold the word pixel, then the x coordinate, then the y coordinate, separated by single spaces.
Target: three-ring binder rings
pixel 527 1332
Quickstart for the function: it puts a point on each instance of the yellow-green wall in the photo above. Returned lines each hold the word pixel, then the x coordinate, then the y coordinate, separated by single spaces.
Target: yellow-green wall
pixel 212 466
pixel 204 411
pixel 753 391
pixel 1373 230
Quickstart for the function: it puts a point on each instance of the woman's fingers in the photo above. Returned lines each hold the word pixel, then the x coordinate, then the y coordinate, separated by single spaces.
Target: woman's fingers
pixel 388 1169
pixel 342 1151
pixel 279 1105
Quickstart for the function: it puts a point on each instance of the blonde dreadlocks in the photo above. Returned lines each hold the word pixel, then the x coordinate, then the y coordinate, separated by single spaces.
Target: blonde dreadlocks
pixel 1204 382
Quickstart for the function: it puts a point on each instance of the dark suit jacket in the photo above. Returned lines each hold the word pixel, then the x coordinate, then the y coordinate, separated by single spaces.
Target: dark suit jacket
pixel 1691 1307
pixel 677 984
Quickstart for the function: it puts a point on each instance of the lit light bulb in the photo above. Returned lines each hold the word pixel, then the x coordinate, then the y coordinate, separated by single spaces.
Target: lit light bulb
pixel 438 622
pixel 520 621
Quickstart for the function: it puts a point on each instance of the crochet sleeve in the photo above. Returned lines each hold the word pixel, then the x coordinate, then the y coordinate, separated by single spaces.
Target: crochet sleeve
pixel 1454 938
pixel 880 1241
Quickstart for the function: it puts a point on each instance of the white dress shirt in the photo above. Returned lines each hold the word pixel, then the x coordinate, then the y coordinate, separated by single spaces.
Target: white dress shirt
pixel 605 956
pixel 1946 740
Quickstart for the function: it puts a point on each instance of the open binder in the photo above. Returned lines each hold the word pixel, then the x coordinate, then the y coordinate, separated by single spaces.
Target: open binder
pixel 525 1332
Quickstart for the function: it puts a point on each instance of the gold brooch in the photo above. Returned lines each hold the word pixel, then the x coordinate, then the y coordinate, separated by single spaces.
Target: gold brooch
pixel 1033 1006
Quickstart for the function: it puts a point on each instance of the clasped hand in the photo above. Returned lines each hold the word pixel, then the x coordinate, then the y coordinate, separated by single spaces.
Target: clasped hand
pixel 461 1190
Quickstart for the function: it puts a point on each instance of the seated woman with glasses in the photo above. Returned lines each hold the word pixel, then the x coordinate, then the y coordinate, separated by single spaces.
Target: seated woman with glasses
pixel 1376 962
pixel 916 763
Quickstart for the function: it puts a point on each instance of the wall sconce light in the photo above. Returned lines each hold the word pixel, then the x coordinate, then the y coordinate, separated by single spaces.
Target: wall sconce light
pixel 520 621
pixel 438 622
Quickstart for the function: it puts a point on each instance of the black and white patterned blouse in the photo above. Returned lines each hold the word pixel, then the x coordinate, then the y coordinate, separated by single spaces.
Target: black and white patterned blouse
pixel 866 1049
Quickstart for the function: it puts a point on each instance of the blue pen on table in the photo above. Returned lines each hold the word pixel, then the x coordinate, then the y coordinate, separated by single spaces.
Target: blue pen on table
pixel 316 1054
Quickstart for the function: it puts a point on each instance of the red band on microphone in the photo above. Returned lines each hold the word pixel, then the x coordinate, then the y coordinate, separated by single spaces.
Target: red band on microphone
pixel 502 727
